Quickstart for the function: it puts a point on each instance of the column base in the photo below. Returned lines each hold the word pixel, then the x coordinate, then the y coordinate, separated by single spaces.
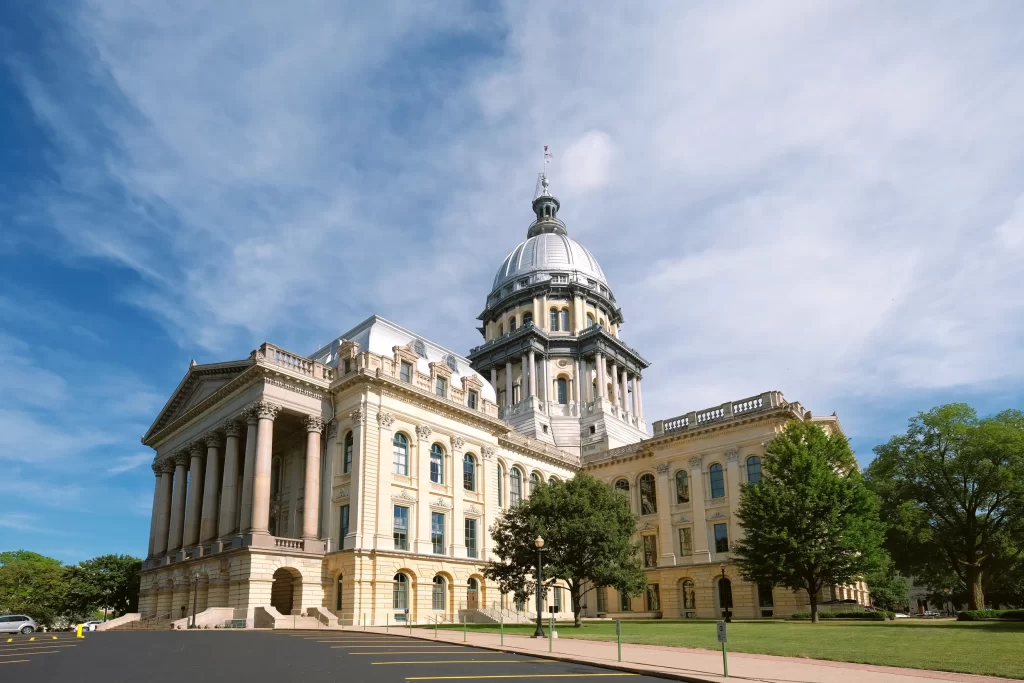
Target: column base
pixel 667 560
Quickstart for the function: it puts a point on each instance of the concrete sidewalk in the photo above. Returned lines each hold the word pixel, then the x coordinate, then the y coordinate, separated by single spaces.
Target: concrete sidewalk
pixel 687 664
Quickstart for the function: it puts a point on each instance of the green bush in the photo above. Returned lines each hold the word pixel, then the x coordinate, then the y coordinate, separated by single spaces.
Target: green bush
pixel 880 615
pixel 983 615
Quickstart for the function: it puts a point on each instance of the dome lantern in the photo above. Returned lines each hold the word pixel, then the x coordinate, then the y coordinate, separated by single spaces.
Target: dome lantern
pixel 545 206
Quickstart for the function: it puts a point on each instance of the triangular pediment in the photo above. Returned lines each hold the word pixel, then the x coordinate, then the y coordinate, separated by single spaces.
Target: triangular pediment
pixel 198 384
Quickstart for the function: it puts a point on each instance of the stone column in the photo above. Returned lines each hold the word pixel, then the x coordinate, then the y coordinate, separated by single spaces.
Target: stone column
pixel 508 384
pixel 266 413
pixel 330 459
pixel 355 497
pixel 636 396
pixel 153 515
pixel 248 470
pixel 615 385
pixel 494 379
pixel 211 497
pixel 385 514
pixel 637 384
pixel 194 499
pixel 311 495
pixel 419 540
pixel 177 523
pixel 533 373
pixel 732 473
pixel 625 392
pixel 487 468
pixel 523 385
pixel 549 392
pixel 456 542
pixel 228 491
pixel 601 384
pixel 701 552
pixel 667 550
pixel 163 516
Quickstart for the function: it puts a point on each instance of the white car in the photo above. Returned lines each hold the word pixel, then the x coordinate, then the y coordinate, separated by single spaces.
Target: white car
pixel 901 615
pixel 90 625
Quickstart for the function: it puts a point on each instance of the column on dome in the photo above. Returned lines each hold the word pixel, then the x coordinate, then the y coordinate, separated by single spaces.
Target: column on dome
pixel 636 396
pixel 667 556
pixel 601 384
pixel 176 527
pixel 163 517
pixel 701 552
pixel 494 380
pixel 155 511
pixel 194 498
pixel 625 392
pixel 248 470
pixel 229 485
pixel 420 541
pixel 549 392
pixel 266 412
pixel 508 384
pixel 385 514
pixel 615 385
pixel 457 544
pixel 533 373
pixel 523 386
pixel 311 491
pixel 211 498
pixel 638 388
pixel 577 384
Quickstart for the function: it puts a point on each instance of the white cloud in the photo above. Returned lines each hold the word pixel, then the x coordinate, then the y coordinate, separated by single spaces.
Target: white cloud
pixel 126 463
pixel 588 162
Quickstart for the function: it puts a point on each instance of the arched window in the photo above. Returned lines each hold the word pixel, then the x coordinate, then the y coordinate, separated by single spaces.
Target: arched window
pixel 400 455
pixel 472 594
pixel 534 483
pixel 682 487
pixel 590 319
pixel 346 457
pixel 754 469
pixel 648 498
pixel 400 593
pixel 438 594
pixel 469 472
pixel 689 595
pixel 622 487
pixel 562 391
pixel 511 324
pixel 551 481
pixel 501 486
pixel 554 320
pixel 338 594
pixel 602 322
pixel 717 481
pixel 564 320
pixel 515 487
pixel 725 593
pixel 437 464
pixel 527 319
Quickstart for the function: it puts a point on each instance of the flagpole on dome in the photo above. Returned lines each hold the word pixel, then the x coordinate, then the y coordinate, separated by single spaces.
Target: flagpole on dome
pixel 542 180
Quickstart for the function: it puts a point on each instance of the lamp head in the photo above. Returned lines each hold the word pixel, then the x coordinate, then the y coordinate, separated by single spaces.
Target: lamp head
pixel 539 542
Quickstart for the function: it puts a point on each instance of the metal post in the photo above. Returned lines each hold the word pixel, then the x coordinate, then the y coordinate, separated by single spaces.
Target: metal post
pixel 551 632
pixel 539 633
pixel 725 661
pixel 464 632
pixel 387 621
pixel 618 636
pixel 502 628
pixel 435 627
pixel 195 597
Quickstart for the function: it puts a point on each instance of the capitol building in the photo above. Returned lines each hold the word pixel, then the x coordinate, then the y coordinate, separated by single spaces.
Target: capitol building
pixel 358 483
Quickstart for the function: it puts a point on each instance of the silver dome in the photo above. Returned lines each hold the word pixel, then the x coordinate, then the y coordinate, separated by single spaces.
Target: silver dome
pixel 549 253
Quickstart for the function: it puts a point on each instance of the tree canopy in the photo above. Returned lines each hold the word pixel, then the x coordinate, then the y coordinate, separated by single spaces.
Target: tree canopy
pixel 811 522
pixel 588 533
pixel 952 489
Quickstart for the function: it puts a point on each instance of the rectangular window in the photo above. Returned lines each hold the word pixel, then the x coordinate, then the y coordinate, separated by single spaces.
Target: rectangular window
pixel 686 541
pixel 344 525
pixel 471 399
pixel 437 596
pixel 348 365
pixel 625 603
pixel 437 532
pixel 764 596
pixel 401 528
pixel 653 598
pixel 406 372
pixel 650 551
pixel 602 600
pixel 471 538
pixel 721 538
pixel 441 387
pixel 558 599
pixel 346 458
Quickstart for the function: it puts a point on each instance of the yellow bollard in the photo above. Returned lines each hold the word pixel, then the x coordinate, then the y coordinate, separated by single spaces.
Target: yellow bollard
pixel 79 632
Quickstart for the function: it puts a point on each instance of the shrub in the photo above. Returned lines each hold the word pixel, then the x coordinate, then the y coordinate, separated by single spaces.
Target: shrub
pixel 989 614
pixel 879 615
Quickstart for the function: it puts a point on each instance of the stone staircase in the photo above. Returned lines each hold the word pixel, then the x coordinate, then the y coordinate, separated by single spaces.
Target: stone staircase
pixel 158 623
pixel 495 616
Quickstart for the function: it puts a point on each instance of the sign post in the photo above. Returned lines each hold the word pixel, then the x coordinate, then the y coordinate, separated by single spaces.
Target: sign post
pixel 503 628
pixel 723 639
pixel 618 636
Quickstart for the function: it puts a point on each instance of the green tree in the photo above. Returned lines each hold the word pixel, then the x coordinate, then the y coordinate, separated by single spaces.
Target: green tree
pixel 811 522
pixel 889 590
pixel 9 556
pixel 112 581
pixel 588 533
pixel 953 493
pixel 32 584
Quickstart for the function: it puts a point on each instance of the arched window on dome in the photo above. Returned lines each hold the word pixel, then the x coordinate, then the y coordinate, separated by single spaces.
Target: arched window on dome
pixel 554 320
pixel 590 319
pixel 501 330
pixel 602 322
pixel 562 391
pixel 512 324
pixel 564 319
pixel 527 319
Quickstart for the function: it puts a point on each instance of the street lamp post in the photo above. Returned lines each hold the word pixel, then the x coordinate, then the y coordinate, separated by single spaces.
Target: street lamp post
pixel 539 633
pixel 195 597
pixel 726 604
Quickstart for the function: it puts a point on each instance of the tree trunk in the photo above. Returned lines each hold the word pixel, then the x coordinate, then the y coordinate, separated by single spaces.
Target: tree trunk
pixel 975 593
pixel 814 606
pixel 577 622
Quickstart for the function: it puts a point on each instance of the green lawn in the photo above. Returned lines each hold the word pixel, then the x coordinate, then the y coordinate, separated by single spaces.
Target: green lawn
pixel 991 648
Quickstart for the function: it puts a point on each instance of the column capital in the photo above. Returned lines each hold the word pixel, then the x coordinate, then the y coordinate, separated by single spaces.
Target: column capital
pixel 265 410
pixel 488 452
pixel 663 468
pixel 197 449
pixel 696 461
pixel 332 430
pixel 166 465
pixel 458 443
pixel 423 431
pixel 385 420
pixel 213 439
pixel 357 416
pixel 314 423
pixel 181 458
pixel 158 469
pixel 732 455
pixel 249 415
pixel 232 428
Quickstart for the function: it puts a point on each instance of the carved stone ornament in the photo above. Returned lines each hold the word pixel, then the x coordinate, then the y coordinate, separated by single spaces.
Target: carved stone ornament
pixel 197 449
pixel 718 515
pixel 663 468
pixel 181 458
pixel 342 494
pixel 167 466
pixel 251 418
pixel 695 461
pixel 732 455
pixel 357 416
pixel 441 503
pixel 332 430
pixel 405 495
pixel 158 469
pixel 385 420
pixel 682 519
pixel 423 431
pixel 265 410
pixel 457 443
pixel 213 440
pixel 488 452
pixel 232 429
pixel 647 527
pixel 472 510
pixel 314 423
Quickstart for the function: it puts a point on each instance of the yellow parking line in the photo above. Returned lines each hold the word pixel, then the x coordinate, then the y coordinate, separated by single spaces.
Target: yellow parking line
pixel 33 653
pixel 417 652
pixel 475 661
pixel 26 650
pixel 463 678
pixel 358 640
pixel 15 661
pixel 430 646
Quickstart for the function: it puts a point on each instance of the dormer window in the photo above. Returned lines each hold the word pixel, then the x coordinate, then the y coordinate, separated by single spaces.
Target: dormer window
pixel 449 360
pixel 525 282
pixel 560 278
pixel 420 348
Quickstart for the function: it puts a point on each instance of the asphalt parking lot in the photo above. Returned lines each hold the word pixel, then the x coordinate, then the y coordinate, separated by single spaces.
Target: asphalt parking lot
pixel 270 657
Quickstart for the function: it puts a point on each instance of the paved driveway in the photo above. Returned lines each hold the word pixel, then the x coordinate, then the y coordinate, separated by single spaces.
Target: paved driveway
pixel 272 657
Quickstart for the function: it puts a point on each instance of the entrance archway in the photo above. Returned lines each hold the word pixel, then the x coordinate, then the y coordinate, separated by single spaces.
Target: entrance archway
pixel 473 594
pixel 725 594
pixel 286 591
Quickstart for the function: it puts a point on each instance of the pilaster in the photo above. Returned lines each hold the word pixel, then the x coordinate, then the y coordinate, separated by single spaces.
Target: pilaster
pixel 384 539
pixel 701 552
pixel 667 554
pixel 420 541
pixel 456 542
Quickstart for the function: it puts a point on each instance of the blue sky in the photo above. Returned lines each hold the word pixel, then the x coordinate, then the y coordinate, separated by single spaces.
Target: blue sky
pixel 825 199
